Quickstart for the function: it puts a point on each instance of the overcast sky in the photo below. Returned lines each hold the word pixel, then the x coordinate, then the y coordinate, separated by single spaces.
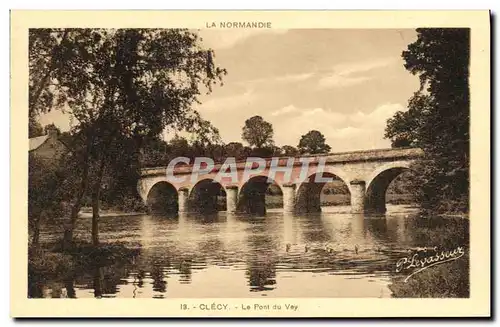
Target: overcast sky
pixel 344 83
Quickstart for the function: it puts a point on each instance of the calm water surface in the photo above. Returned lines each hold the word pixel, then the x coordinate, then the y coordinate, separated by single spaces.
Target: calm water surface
pixel 331 254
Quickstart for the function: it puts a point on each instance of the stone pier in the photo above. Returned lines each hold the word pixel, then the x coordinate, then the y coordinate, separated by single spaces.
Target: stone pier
pixel 183 199
pixel 288 197
pixel 358 190
pixel 231 198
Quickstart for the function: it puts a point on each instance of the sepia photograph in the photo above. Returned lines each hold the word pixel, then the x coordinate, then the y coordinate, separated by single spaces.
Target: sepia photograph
pixel 246 160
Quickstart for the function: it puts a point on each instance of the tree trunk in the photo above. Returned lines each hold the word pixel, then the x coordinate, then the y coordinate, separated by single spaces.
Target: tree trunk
pixel 36 231
pixel 70 288
pixel 96 194
pixel 77 204
pixel 95 218
pixel 75 209
pixel 98 278
pixel 35 225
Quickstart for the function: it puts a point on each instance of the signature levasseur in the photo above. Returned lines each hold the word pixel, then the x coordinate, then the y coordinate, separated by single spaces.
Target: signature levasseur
pixel 426 258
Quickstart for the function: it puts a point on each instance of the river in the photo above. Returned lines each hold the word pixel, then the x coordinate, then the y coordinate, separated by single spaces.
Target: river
pixel 329 254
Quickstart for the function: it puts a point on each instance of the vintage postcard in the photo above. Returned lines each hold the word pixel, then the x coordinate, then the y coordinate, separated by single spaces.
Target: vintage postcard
pixel 250 164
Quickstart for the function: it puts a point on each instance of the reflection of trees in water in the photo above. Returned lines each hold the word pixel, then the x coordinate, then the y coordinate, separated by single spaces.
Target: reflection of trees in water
pixel 98 281
pixel 54 289
pixel 185 271
pixel 105 280
pixel 201 240
pixel 397 230
pixel 377 228
pixel 70 288
pixel 180 258
pixel 158 265
pixel 209 248
pixel 112 276
pixel 159 284
pixel 316 230
pixel 102 280
pixel 185 247
pixel 261 262
pixel 35 284
pixel 261 275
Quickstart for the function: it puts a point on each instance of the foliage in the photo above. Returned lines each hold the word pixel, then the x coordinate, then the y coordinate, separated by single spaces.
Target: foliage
pixel 120 86
pixel 288 150
pixel 313 142
pixel 47 51
pixel 51 127
pixel 448 280
pixel 236 150
pixel 34 127
pixel 258 132
pixel 49 187
pixel 265 151
pixel 437 119
pixel 53 262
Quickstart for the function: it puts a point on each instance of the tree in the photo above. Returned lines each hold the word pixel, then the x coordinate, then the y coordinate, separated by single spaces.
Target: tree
pixel 437 119
pixel 179 147
pixel 51 127
pixel 121 86
pixel 47 51
pixel 49 189
pixel 34 127
pixel 288 150
pixel 313 142
pixel 265 151
pixel 153 152
pixel 235 150
pixel 257 132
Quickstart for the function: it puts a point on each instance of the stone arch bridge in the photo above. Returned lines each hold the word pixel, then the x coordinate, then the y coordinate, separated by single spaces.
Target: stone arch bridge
pixel 367 175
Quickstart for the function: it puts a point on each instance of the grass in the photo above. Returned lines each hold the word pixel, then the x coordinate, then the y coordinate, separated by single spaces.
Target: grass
pixel 445 280
pixel 448 280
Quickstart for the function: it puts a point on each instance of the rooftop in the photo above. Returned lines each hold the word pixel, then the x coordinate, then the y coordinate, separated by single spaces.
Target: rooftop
pixel 36 142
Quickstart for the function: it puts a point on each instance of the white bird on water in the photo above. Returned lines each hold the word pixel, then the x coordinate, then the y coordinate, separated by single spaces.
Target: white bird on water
pixel 328 248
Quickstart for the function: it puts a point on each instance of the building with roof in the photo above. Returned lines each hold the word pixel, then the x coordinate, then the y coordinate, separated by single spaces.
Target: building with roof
pixel 47 146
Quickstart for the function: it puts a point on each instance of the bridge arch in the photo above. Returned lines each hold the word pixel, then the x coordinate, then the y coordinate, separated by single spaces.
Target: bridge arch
pixel 378 183
pixel 207 196
pixel 162 198
pixel 308 193
pixel 252 195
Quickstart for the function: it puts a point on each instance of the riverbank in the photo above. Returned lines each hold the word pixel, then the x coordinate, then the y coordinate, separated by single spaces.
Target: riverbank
pixel 445 214
pixel 448 280
pixel 86 212
pixel 50 262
